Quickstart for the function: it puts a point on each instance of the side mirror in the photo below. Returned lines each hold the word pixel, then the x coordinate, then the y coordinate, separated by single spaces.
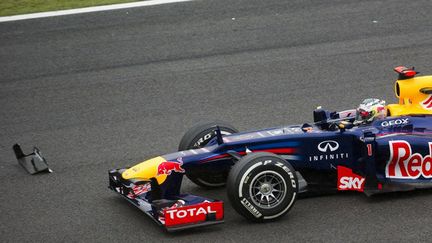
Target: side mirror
pixel 320 115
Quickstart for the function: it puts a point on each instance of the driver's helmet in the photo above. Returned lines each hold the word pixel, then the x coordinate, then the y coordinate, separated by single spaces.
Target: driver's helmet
pixel 371 109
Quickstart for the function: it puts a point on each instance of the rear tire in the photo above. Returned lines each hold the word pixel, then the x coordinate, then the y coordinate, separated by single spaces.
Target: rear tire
pixel 197 137
pixel 262 187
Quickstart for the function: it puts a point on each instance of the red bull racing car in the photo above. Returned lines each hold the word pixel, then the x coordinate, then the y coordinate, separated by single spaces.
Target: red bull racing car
pixel 372 149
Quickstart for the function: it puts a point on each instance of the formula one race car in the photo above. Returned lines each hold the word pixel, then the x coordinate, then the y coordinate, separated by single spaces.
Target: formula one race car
pixel 372 149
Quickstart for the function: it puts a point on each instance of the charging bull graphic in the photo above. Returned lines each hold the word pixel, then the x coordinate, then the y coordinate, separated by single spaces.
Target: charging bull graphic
pixel 165 168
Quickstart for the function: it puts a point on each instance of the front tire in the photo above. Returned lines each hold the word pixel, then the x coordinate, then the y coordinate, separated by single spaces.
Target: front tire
pixel 197 137
pixel 262 187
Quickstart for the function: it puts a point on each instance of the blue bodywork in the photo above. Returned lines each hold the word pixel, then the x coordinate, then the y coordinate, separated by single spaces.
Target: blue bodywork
pixel 315 151
pixel 319 168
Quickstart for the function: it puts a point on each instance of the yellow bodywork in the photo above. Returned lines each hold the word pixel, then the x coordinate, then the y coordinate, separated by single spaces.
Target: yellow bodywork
pixel 146 170
pixel 410 96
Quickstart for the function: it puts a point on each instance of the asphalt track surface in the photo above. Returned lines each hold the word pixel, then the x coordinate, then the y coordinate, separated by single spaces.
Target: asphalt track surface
pixel 105 90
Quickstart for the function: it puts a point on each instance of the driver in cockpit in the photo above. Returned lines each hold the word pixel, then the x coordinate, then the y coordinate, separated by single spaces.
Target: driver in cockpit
pixel 369 110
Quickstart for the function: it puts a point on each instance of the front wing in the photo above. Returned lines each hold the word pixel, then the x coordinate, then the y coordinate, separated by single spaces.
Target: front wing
pixel 177 213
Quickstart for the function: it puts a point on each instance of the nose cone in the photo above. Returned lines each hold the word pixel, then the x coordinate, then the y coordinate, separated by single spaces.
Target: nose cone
pixel 146 170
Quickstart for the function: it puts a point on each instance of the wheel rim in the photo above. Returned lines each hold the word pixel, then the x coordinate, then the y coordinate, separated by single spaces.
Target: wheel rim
pixel 267 189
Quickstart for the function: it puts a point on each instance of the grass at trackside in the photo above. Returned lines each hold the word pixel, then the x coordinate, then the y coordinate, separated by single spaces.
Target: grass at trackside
pixel 14 7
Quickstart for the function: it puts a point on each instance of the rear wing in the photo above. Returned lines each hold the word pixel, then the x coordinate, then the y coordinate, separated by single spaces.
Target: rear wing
pixel 405 73
pixel 33 162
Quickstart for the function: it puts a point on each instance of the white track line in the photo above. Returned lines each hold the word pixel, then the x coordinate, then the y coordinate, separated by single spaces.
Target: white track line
pixel 88 9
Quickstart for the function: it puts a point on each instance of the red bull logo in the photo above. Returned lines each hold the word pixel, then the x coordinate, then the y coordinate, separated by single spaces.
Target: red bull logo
pixel 404 164
pixel 165 168
pixel 427 103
